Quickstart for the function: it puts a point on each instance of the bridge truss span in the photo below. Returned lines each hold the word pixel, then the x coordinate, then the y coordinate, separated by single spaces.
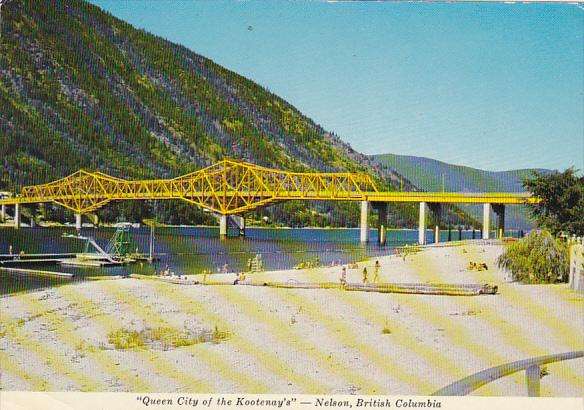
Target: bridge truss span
pixel 227 187
pixel 230 188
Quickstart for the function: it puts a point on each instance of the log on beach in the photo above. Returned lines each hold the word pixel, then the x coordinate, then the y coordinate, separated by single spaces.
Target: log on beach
pixel 412 288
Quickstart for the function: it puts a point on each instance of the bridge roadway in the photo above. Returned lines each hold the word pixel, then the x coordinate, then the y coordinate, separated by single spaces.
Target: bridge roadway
pixel 230 188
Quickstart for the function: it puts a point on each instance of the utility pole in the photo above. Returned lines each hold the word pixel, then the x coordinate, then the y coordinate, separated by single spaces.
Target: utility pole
pixel 151 248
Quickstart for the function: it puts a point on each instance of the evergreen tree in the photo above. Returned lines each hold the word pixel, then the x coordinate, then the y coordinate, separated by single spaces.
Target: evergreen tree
pixel 562 201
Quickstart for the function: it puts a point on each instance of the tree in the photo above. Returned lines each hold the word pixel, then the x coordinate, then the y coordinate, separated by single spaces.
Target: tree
pixel 562 201
pixel 537 258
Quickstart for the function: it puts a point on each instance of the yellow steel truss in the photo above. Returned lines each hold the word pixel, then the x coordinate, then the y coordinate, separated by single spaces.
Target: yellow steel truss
pixel 232 187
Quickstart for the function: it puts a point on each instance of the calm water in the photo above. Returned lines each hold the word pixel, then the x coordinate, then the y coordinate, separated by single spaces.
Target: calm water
pixel 189 250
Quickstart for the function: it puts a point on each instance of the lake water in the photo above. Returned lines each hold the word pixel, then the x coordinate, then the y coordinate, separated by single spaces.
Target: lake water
pixel 188 250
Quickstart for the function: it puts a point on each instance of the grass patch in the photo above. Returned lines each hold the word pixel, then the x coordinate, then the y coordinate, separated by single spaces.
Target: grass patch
pixel 164 337
pixel 125 339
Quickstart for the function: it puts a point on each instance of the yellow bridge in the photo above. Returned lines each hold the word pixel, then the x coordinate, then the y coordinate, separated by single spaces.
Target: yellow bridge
pixel 233 187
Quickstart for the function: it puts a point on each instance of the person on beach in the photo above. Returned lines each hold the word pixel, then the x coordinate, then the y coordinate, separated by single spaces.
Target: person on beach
pixel 344 276
pixel 240 278
pixel 365 280
pixel 376 272
pixel 10 249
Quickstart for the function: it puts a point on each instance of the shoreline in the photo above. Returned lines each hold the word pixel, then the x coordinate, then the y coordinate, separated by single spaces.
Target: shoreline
pixel 142 225
pixel 306 341
pixel 392 258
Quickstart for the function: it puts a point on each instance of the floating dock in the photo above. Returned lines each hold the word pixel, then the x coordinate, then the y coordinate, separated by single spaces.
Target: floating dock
pixel 84 263
pixel 29 256
pixel 35 272
pixel 67 259
pixel 29 261
pixel 92 260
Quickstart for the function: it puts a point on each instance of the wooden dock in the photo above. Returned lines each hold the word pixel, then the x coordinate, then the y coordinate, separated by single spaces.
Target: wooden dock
pixel 35 272
pixel 36 256
pixel 29 261
pixel 88 263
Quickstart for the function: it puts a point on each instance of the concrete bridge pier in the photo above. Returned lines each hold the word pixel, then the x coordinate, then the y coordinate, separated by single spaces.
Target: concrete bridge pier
pixel 17 218
pixel 239 222
pixel 422 223
pixel 364 233
pixel 381 208
pixel 486 220
pixel 499 210
pixel 437 211
pixel 223 226
pixel 78 222
pixel 233 220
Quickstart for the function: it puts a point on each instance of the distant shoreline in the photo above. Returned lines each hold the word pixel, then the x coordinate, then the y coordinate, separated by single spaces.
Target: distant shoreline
pixel 107 225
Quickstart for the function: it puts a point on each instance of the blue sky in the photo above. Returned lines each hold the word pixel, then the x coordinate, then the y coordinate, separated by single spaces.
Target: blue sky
pixel 495 86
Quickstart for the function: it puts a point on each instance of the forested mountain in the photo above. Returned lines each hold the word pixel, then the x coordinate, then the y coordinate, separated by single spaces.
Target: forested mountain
pixel 427 173
pixel 80 88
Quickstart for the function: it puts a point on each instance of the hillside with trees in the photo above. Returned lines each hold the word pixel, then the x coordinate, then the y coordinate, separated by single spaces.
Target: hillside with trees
pixel 80 88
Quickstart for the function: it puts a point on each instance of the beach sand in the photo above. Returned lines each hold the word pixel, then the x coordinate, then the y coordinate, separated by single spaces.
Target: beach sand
pixel 297 340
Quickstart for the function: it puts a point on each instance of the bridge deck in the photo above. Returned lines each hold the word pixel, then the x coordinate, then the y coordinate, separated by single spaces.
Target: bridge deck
pixel 231 187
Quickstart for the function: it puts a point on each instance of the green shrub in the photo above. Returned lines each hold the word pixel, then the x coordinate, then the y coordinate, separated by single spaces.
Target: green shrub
pixel 168 336
pixel 537 258
pixel 165 337
pixel 125 339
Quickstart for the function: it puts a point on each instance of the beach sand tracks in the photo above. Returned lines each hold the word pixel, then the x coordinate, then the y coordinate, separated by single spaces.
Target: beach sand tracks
pixel 311 346
pixel 55 314
pixel 519 332
pixel 215 356
pixel 412 337
pixel 266 344
pixel 145 365
pixel 53 362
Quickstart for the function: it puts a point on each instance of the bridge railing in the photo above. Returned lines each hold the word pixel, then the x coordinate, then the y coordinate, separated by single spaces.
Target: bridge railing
pixel 531 366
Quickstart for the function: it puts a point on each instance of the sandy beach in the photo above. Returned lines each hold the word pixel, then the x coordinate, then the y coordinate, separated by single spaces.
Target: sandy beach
pixel 296 340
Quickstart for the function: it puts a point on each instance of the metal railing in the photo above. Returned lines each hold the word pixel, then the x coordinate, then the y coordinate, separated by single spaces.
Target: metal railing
pixel 531 366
